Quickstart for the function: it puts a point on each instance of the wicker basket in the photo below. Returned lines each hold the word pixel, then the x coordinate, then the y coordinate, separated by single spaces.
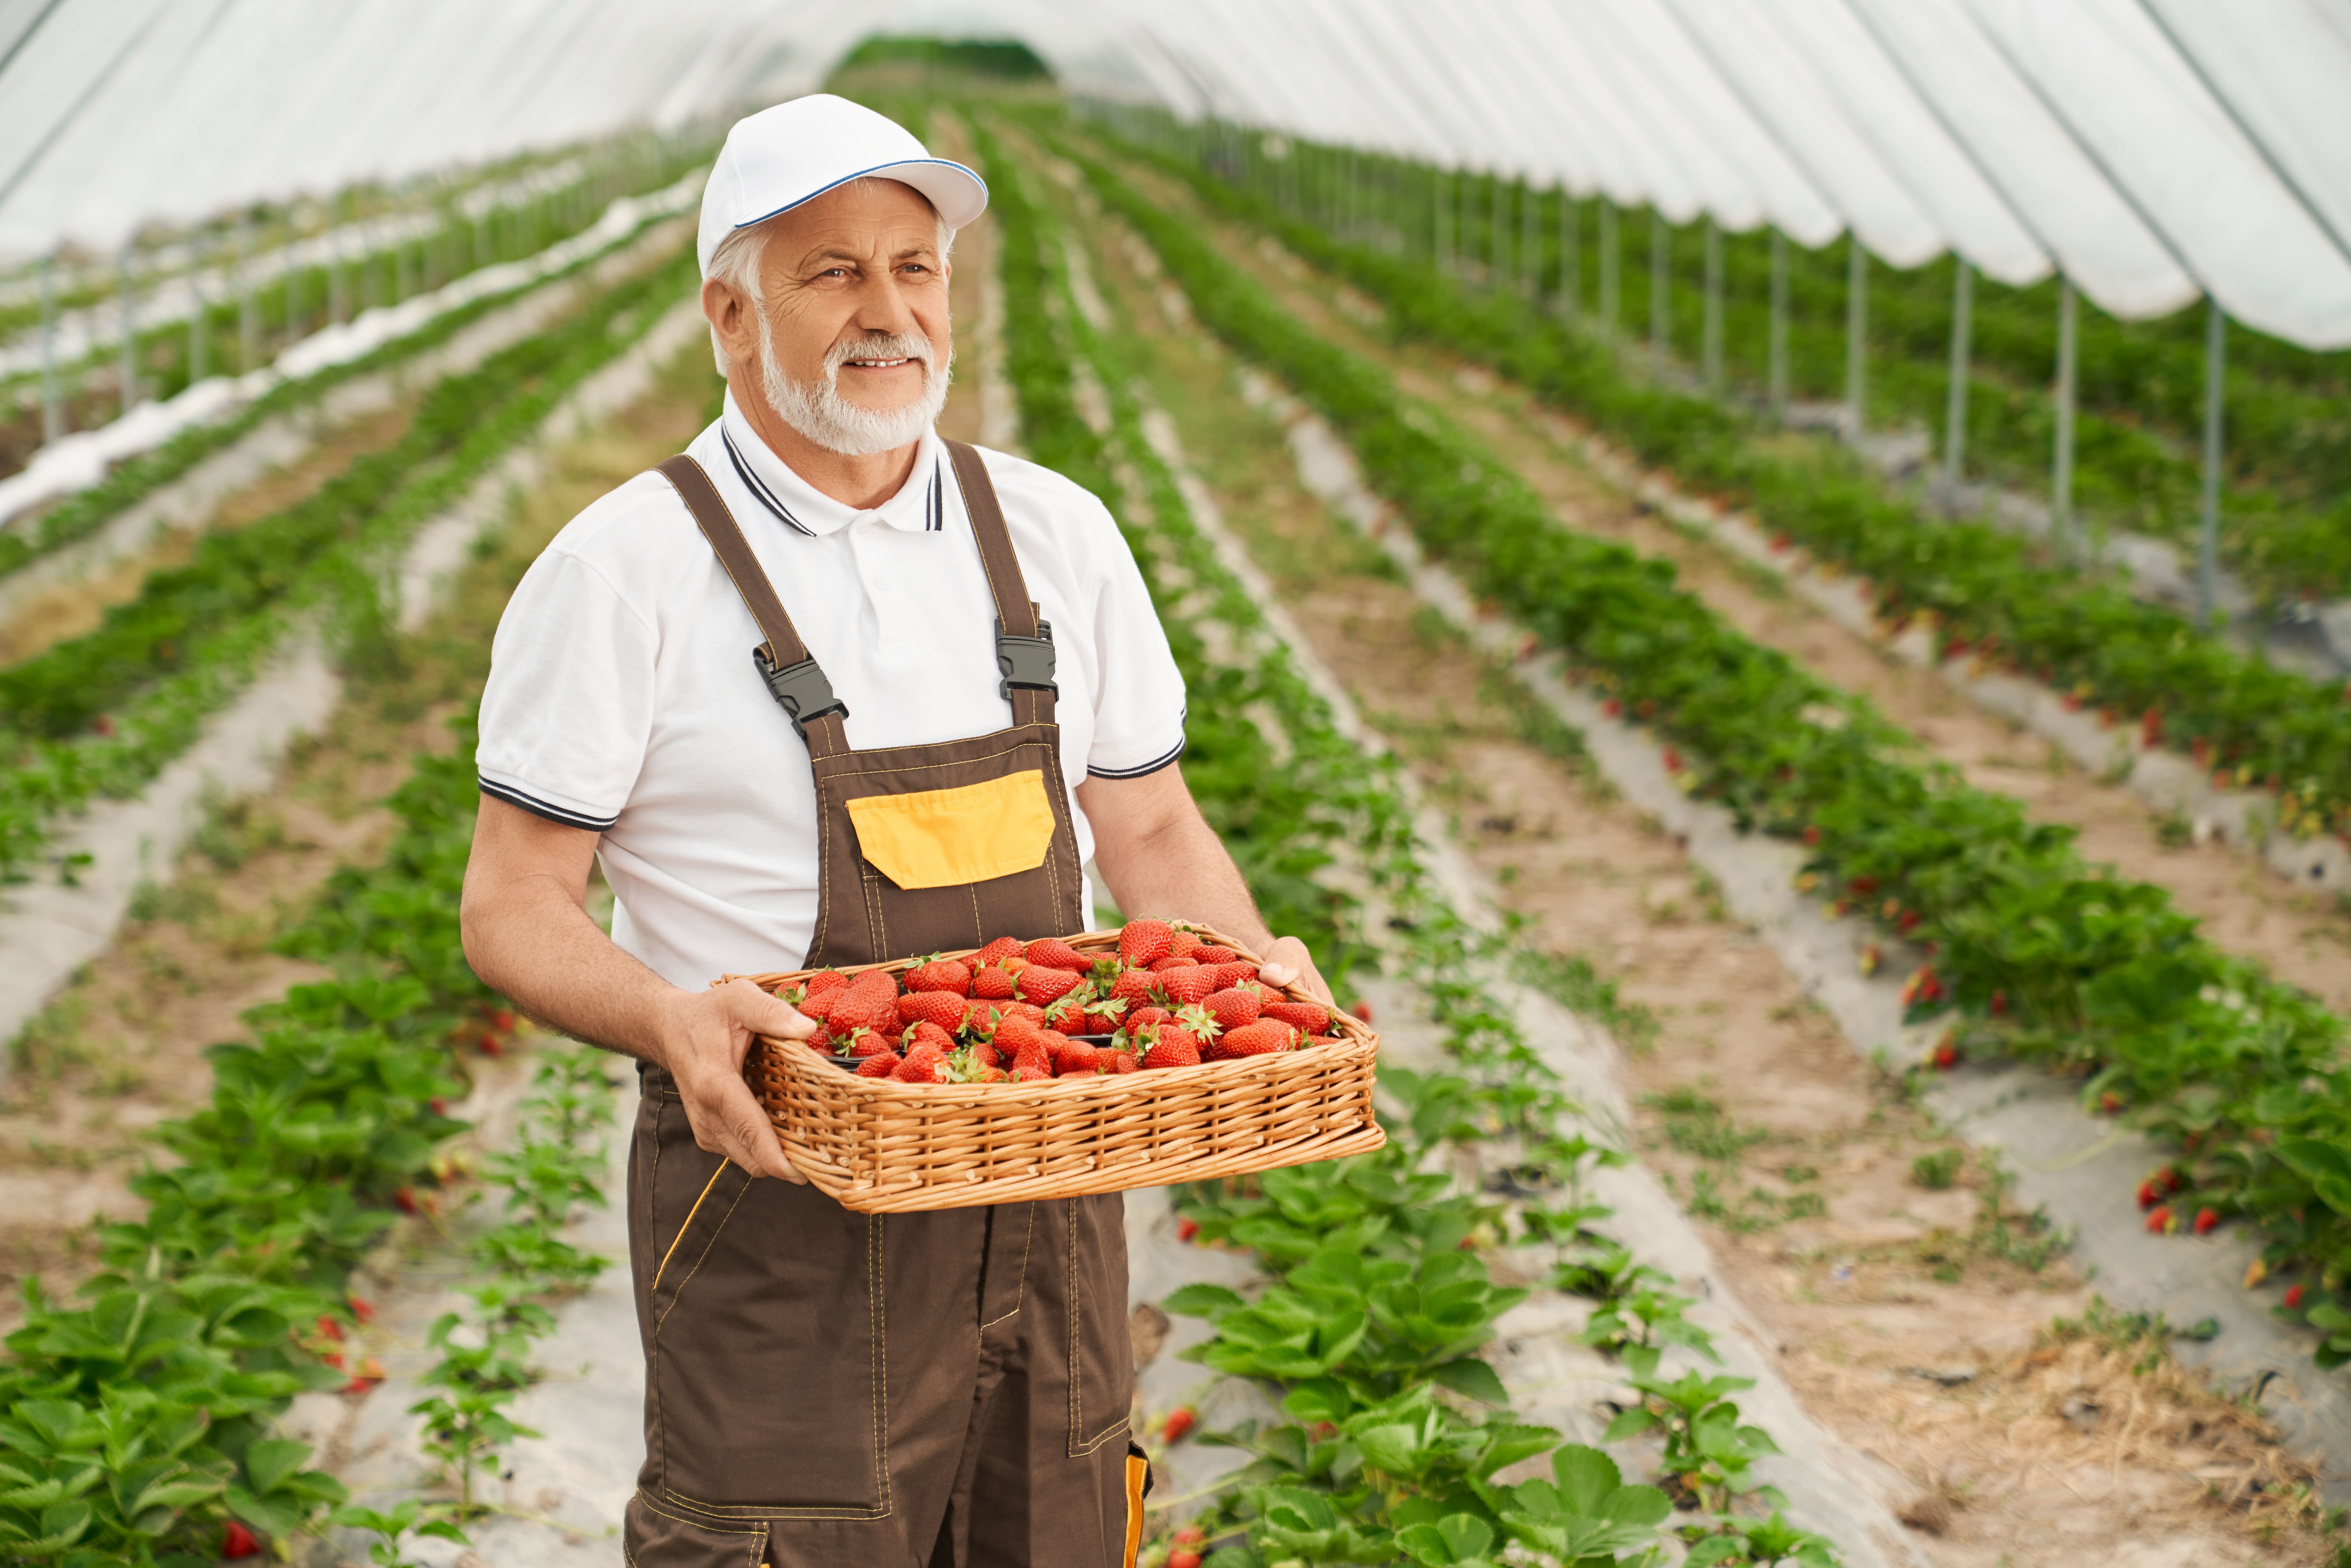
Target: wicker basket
pixel 880 1147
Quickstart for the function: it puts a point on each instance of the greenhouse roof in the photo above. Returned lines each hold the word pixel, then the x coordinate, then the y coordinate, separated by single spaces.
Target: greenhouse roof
pixel 2151 150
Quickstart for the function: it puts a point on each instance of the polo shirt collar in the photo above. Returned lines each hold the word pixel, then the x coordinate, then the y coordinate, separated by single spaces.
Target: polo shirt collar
pixel 919 507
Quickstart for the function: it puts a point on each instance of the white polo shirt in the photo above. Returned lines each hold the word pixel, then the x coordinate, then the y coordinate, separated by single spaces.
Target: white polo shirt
pixel 622 696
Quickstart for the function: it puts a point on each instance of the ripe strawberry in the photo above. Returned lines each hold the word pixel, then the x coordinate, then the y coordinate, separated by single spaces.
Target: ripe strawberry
pixel 994 983
pixel 1032 1053
pixel 1143 943
pixel 1187 1228
pixel 404 1201
pixel 1123 1061
pixel 819 1005
pixel 1212 954
pixel 944 1009
pixel 926 1032
pixel 995 952
pixel 920 1066
pixel 1172 962
pixel 237 1542
pixel 1187 986
pixel 1260 1039
pixel 1310 1017
pixel 866 1043
pixel 1102 1014
pixel 2161 1222
pixel 2169 1176
pixel 1180 1558
pixel 1232 1010
pixel 1313 1039
pixel 1076 1058
pixel 362 1309
pixel 870 1001
pixel 826 980
pixel 1363 1011
pixel 2294 1295
pixel 1031 1072
pixel 1142 1015
pixel 1135 988
pixel 2149 1196
pixel 1016 1030
pixel 1056 953
pixel 980 1018
pixel 1184 944
pixel 2111 1104
pixel 2206 1218
pixel 1230 975
pixel 1946 1057
pixel 1190 1536
pixel 1045 987
pixel 1166 1045
pixel 1179 1422
pixel 941 975
pixel 993 1075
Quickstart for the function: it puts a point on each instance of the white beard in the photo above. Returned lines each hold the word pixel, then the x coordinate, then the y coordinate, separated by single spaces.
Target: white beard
pixel 818 411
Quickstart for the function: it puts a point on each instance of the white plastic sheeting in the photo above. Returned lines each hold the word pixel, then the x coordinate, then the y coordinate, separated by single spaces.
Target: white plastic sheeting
pixel 2151 150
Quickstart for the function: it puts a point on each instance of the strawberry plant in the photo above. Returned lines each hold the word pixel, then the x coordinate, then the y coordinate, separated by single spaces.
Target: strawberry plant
pixel 1394 1430
pixel 2093 974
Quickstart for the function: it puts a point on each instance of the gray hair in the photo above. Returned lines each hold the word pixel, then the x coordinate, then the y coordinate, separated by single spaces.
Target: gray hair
pixel 737 262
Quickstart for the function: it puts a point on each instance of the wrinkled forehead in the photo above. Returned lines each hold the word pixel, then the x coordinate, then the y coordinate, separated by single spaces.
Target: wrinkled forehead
pixel 866 213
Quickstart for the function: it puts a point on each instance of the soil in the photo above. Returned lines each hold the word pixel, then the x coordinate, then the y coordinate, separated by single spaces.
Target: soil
pixel 74 608
pixel 2304 937
pixel 1918 1316
pixel 122 1048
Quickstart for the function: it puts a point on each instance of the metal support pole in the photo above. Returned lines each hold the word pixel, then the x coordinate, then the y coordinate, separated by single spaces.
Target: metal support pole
pixel 1856 339
pixel 1571 255
pixel 1661 254
pixel 2207 533
pixel 200 331
pixel 53 409
pixel 1440 236
pixel 1776 350
pixel 129 333
pixel 1529 241
pixel 1504 265
pixel 1710 354
pixel 1955 412
pixel 2061 488
pixel 1611 266
pixel 248 316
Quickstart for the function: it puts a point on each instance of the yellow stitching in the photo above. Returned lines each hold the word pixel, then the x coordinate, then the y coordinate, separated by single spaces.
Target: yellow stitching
pixel 1077 1372
pixel 878 1301
pixel 1020 1286
pixel 765 1510
pixel 684 1227
pixel 704 1258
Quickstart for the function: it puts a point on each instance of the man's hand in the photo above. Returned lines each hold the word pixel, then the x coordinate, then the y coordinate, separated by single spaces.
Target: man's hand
pixel 1288 962
pixel 705 1037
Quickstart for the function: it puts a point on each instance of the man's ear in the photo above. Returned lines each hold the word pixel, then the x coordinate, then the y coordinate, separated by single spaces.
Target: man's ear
pixel 729 314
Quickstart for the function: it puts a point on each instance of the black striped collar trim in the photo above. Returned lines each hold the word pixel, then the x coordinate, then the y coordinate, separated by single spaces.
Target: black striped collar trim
pixel 539 808
pixel 758 487
pixel 934 499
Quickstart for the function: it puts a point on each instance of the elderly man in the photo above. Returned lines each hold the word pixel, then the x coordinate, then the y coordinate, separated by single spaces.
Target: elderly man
pixel 821 616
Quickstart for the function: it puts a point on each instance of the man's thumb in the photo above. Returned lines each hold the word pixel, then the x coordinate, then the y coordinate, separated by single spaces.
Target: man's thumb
pixel 772 1014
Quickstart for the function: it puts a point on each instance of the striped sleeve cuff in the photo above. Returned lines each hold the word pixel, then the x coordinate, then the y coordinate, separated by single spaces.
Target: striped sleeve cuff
pixel 1154 766
pixel 539 808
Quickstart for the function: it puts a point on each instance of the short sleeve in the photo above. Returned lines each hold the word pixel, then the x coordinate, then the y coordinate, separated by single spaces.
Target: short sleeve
pixel 569 707
pixel 1139 700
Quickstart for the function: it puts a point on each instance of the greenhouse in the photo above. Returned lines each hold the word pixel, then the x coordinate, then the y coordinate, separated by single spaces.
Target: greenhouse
pixel 1670 880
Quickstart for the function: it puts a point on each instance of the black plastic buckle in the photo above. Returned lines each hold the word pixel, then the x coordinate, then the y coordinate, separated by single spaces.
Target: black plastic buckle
pixel 1025 661
pixel 802 690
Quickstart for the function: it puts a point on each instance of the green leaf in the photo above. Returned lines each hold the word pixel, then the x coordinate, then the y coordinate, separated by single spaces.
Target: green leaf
pixel 1474 1378
pixel 1627 1423
pixel 1202 1301
pixel 269 1463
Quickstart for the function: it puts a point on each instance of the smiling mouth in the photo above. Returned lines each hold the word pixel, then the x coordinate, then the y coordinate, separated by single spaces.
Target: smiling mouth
pixel 876 364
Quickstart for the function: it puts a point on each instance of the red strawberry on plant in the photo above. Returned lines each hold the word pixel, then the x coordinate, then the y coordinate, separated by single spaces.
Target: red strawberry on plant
pixel 362 1309
pixel 940 975
pixel 1187 1228
pixel 2206 1219
pixel 1260 1039
pixel 2294 1295
pixel 1308 1018
pixel 1056 953
pixel 2149 1195
pixel 1179 1421
pixel 1143 943
pixel 1232 1010
pixel 1362 1009
pixel 237 1542
pixel 404 1201
pixel 995 952
pixel 885 1065
pixel 2161 1222
pixel 1946 1057
pixel 1045 987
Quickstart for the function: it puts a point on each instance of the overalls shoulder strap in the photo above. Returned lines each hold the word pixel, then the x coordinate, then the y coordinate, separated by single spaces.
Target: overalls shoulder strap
pixel 1024 644
pixel 799 685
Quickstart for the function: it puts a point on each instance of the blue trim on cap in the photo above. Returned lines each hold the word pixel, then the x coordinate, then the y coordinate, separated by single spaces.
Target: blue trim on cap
pixel 868 174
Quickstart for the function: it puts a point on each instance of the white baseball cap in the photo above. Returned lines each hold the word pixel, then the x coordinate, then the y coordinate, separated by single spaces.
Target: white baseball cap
pixel 796 151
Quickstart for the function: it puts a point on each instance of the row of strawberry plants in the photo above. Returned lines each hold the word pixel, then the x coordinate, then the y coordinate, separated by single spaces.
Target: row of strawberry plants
pixel 82 514
pixel 103 713
pixel 1393 1432
pixel 2141 384
pixel 138 1424
pixel 2041 953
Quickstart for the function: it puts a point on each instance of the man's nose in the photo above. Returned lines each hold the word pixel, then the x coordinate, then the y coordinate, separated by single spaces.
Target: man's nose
pixel 882 307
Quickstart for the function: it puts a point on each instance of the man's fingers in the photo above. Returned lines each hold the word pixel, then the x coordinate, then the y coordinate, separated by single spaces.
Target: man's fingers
pixel 750 1137
pixel 764 1014
pixel 1289 963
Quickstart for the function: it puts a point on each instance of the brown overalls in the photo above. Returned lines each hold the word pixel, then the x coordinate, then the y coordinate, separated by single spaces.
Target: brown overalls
pixel 826 1389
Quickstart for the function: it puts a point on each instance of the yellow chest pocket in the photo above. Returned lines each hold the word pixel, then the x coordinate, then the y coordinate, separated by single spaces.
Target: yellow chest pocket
pixel 945 837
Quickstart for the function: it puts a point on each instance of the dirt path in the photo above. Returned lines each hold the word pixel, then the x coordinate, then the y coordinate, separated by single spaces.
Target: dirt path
pixel 1913 1314
pixel 72 609
pixel 121 1048
pixel 2303 937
